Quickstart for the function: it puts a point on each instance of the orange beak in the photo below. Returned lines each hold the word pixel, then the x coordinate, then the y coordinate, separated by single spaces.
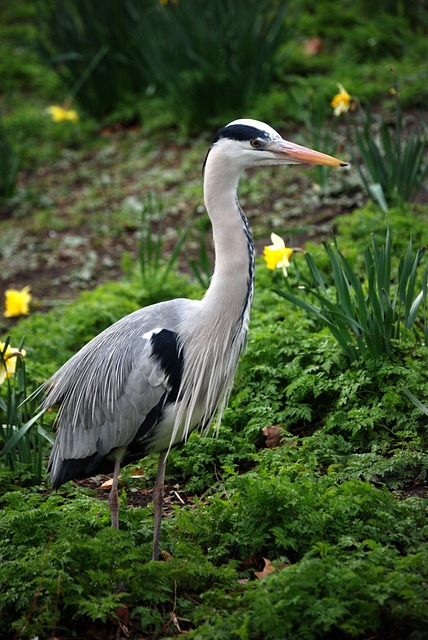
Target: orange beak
pixel 296 154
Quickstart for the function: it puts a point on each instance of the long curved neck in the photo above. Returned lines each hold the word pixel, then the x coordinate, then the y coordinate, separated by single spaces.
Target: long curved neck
pixel 231 289
pixel 216 335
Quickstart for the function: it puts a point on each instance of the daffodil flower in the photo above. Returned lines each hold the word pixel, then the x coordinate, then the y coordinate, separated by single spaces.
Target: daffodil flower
pixel 60 114
pixel 8 361
pixel 17 302
pixel 341 101
pixel 277 255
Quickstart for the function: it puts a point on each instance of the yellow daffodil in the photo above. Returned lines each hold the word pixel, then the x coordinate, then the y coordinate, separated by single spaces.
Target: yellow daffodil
pixel 8 362
pixel 341 101
pixel 60 114
pixel 17 302
pixel 277 255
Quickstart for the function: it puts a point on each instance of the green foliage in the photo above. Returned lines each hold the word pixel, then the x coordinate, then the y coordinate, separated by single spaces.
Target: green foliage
pixel 95 53
pixel 36 139
pixel 207 461
pixel 213 58
pixel 208 59
pixel 396 165
pixel 9 165
pixel 350 591
pixel 298 377
pixel 22 437
pixel 62 564
pixel 413 12
pixel 397 468
pixel 415 401
pixel 20 66
pixel 328 534
pixel 367 319
pixel 155 267
pixel 404 222
pixel 201 265
pixel 278 513
pixel 312 108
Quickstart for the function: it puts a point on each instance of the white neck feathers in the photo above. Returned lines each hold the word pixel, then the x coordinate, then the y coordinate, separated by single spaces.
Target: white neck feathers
pixel 218 333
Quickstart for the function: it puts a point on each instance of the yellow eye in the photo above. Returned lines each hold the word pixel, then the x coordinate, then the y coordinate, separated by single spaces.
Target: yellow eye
pixel 255 143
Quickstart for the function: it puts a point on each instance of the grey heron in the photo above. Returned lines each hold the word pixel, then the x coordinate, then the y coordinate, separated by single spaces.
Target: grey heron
pixel 147 381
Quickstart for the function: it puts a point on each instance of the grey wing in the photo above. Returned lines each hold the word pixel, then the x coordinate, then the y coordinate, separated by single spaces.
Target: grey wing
pixel 107 390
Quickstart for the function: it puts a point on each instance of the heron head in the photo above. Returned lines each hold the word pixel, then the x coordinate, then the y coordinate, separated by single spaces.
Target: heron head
pixel 252 143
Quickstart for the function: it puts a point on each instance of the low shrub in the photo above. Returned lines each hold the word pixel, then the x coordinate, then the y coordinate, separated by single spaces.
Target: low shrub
pixel 79 571
pixel 335 592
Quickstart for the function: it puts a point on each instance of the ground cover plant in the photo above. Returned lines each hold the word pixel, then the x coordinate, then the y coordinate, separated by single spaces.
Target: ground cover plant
pixel 305 515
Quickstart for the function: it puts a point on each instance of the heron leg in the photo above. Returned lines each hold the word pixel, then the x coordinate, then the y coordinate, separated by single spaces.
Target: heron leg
pixel 113 499
pixel 158 501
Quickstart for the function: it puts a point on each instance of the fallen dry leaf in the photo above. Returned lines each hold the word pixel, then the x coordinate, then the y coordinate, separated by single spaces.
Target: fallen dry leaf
pixel 123 613
pixel 267 569
pixel 313 46
pixel 272 435
pixel 107 484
